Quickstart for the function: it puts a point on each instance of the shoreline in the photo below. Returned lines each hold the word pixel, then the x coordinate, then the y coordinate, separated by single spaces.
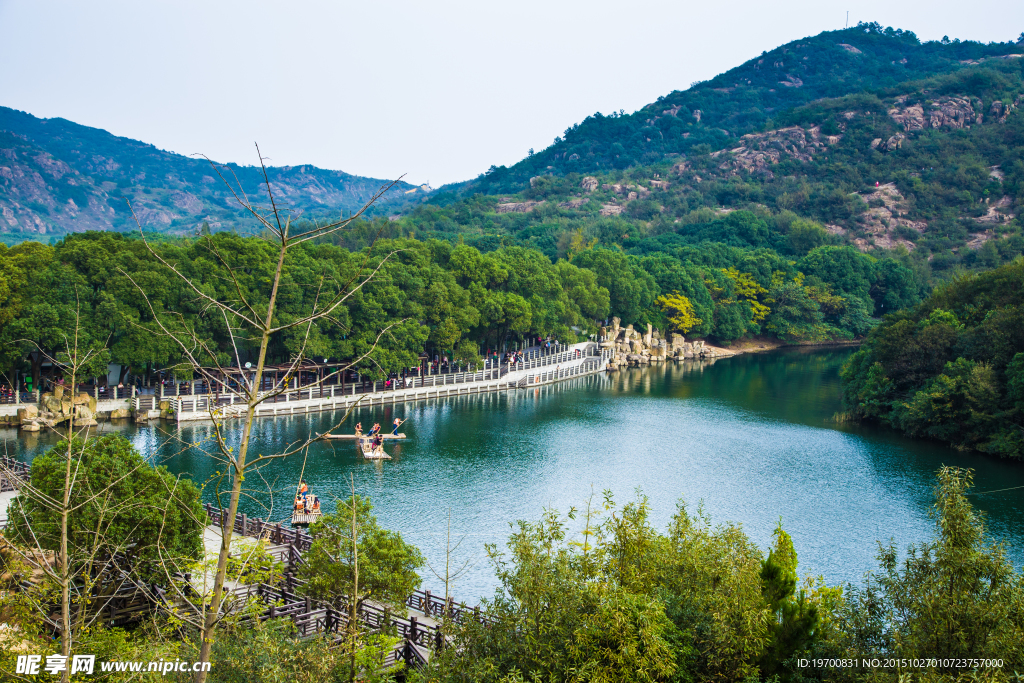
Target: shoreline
pixel 762 344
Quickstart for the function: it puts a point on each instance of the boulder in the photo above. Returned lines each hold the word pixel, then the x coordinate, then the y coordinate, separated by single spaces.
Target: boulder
pixel 58 391
pixel 31 427
pixel 27 413
pixel 119 413
pixel 894 143
pixel 589 183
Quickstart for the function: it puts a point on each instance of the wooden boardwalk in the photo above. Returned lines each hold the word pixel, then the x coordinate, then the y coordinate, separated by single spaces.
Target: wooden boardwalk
pixel 420 629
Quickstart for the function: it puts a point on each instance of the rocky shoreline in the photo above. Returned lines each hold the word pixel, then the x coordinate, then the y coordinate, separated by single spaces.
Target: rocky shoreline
pixel 633 348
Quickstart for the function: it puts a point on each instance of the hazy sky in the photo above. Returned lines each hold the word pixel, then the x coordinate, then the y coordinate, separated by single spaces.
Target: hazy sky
pixel 436 90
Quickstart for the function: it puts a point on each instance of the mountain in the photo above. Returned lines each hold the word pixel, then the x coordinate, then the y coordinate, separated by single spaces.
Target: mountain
pixel 58 177
pixel 748 98
pixel 931 165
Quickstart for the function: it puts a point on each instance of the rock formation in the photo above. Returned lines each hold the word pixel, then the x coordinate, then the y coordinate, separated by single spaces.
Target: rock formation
pixel 58 407
pixel 633 348
pixel 516 207
pixel 944 112
pixel 759 151
pixel 883 218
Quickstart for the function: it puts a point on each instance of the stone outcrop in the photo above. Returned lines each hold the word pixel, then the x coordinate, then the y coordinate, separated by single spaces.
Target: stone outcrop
pixel 516 207
pixel 758 152
pixel 574 203
pixel 893 143
pixel 57 407
pixel 998 212
pixel 944 112
pixel 882 219
pixel 589 184
pixel 633 348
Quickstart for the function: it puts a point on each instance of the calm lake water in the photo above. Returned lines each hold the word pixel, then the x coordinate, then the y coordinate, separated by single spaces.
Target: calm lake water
pixel 749 436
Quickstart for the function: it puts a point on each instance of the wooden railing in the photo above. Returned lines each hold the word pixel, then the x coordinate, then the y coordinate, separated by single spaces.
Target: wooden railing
pixel 12 473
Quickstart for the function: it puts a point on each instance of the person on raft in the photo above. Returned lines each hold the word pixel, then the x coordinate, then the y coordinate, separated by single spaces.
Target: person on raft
pixel 398 423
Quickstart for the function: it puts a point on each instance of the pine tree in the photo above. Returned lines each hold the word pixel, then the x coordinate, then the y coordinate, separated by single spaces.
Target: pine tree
pixel 794 620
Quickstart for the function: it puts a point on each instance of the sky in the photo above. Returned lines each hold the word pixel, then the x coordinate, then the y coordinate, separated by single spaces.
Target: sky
pixel 435 91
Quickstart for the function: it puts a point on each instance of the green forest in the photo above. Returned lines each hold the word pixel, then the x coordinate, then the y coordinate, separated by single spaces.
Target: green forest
pixel 438 297
pixel 951 368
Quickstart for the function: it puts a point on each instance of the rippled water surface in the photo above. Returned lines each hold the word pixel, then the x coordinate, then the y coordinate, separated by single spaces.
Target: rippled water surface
pixel 747 435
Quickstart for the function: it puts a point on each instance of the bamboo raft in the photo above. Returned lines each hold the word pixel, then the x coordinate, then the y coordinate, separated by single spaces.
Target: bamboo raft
pixel 305 518
pixel 356 437
pixel 371 453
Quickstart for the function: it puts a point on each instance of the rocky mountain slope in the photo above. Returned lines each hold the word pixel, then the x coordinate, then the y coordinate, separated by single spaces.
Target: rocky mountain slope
pixel 58 177
pixel 746 99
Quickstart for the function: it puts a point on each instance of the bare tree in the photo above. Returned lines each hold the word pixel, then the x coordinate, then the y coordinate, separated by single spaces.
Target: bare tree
pixel 451 574
pixel 75 567
pixel 246 319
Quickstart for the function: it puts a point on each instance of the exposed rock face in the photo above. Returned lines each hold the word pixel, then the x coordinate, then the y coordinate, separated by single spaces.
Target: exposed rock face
pixel 999 111
pixel 611 209
pixel 945 112
pixel 882 221
pixel 850 48
pixel 759 151
pixel 999 212
pixel 516 207
pixel 631 191
pixel 589 184
pixel 893 143
pixel 574 203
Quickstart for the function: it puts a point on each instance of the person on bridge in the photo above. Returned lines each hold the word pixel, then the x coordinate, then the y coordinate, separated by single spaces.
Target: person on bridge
pixel 397 423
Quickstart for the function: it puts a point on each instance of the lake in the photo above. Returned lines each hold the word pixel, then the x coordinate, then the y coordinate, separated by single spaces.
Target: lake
pixel 749 436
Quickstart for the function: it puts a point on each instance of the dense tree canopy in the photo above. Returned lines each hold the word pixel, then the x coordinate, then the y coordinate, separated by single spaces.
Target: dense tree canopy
pixel 949 369
pixel 120 505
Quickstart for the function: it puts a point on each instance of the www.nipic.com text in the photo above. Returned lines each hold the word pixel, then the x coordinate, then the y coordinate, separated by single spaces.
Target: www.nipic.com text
pixel 33 665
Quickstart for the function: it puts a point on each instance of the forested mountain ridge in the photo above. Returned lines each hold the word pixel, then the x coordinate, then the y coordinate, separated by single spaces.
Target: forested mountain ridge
pixel 748 98
pixel 933 169
pixel 58 177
